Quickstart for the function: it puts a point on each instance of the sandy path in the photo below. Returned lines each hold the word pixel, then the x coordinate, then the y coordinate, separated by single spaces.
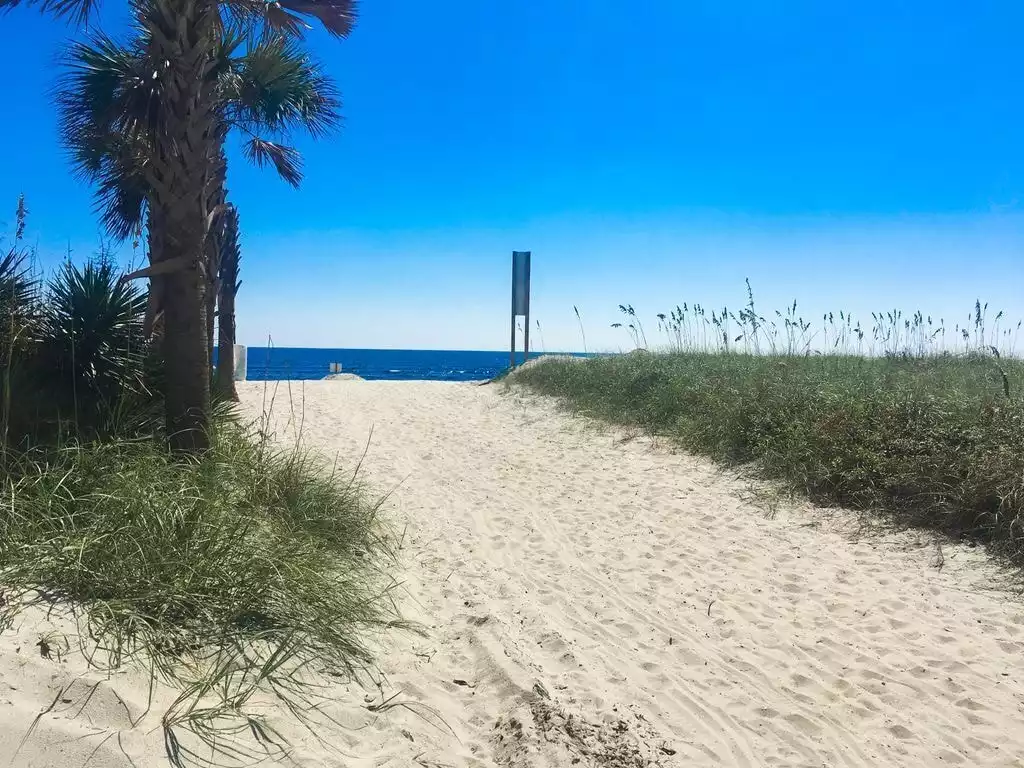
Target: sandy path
pixel 668 619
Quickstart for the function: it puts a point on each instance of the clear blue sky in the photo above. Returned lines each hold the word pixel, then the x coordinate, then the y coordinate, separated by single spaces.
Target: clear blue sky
pixel 856 155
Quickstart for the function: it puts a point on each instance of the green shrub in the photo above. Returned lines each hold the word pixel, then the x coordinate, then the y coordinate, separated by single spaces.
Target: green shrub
pixel 76 362
pixel 92 330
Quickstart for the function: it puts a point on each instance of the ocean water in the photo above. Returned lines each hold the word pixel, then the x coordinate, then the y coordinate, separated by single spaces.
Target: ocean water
pixel 397 364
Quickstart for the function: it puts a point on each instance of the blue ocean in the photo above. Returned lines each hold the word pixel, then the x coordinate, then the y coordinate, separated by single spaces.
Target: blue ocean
pixel 396 364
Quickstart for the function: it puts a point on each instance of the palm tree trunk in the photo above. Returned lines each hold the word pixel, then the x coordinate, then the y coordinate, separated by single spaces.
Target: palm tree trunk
pixel 228 283
pixel 211 319
pixel 184 34
pixel 216 201
pixel 154 301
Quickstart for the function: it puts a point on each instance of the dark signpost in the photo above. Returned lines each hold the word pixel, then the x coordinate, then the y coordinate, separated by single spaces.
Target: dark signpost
pixel 520 302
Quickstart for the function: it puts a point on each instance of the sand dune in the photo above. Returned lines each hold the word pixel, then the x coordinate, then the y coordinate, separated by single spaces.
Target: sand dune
pixel 667 618
pixel 590 598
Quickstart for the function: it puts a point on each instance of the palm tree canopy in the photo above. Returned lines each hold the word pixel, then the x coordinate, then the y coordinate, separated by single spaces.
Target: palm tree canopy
pixel 291 17
pixel 276 86
pixel 185 166
pixel 109 104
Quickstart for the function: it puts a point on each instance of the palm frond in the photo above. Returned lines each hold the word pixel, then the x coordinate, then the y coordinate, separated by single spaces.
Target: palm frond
pixel 337 16
pixel 276 86
pixel 108 103
pixel 286 160
pixel 107 86
pixel 283 22
pixel 122 192
pixel 293 17
pixel 77 11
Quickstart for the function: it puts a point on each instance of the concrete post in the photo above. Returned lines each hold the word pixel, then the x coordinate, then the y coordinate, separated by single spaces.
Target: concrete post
pixel 240 362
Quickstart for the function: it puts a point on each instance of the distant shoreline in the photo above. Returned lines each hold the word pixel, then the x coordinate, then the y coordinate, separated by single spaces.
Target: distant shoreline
pixel 314 364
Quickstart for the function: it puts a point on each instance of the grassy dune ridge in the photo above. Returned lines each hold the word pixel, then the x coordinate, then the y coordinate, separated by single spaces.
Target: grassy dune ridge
pixel 934 441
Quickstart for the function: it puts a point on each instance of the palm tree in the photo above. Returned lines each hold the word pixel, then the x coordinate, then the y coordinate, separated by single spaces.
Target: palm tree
pixel 228 289
pixel 183 149
pixel 271 89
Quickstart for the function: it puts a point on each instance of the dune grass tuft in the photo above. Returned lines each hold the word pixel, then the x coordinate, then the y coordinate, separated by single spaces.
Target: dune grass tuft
pixel 932 441
pixel 228 576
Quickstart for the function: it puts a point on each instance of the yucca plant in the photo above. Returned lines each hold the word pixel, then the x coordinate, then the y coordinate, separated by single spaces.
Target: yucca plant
pixel 183 145
pixel 91 342
pixel 18 289
pixel 19 293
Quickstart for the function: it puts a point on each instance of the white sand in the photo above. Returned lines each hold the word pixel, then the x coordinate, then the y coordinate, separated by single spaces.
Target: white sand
pixel 670 620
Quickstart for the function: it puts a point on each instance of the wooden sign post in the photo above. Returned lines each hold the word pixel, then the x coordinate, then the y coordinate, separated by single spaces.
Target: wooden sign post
pixel 520 302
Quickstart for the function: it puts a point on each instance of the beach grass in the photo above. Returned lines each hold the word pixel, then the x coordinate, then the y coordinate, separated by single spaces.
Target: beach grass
pixel 230 576
pixel 934 441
